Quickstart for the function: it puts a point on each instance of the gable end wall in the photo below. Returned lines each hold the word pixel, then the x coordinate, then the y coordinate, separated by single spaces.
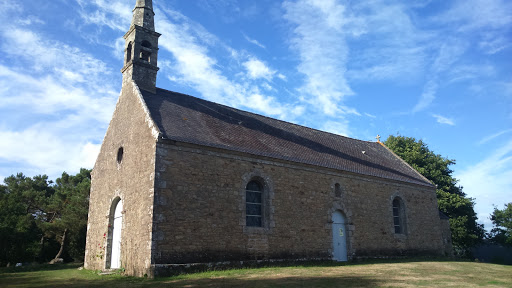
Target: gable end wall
pixel 132 181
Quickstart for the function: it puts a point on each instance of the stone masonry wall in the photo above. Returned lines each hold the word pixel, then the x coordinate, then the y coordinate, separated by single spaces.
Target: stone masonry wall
pixel 132 181
pixel 200 210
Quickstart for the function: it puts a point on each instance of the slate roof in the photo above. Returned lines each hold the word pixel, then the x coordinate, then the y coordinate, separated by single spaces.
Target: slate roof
pixel 443 216
pixel 192 120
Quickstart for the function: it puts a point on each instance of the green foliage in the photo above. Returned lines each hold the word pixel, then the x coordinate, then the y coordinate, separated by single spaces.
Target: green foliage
pixel 20 209
pixel 466 232
pixel 502 221
pixel 34 212
pixel 71 203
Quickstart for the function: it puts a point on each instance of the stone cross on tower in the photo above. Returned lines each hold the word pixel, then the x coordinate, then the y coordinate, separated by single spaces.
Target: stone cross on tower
pixel 141 48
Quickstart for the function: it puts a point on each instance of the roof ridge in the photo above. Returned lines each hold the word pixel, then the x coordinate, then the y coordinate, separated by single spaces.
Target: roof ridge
pixel 268 117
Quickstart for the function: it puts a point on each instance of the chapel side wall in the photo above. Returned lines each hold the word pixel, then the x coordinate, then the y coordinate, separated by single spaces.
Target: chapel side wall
pixel 132 181
pixel 199 210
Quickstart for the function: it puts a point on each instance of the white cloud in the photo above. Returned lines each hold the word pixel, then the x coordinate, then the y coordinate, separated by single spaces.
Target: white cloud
pixel 319 38
pixel 489 181
pixel 399 49
pixel 448 54
pixel 493 45
pixel 29 20
pixel 468 72
pixel 190 46
pixel 44 54
pixel 254 41
pixel 427 96
pixel 485 20
pixel 337 127
pixel 62 100
pixel 493 136
pixel 257 69
pixel 444 120
pixel 469 15
pixel 265 105
pixel 46 151
pixel 115 14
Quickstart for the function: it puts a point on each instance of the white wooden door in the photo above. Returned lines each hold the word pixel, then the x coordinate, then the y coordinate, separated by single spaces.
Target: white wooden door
pixel 115 261
pixel 339 236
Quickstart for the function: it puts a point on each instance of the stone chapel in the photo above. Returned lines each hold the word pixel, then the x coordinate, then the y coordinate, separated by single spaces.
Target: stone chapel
pixel 182 180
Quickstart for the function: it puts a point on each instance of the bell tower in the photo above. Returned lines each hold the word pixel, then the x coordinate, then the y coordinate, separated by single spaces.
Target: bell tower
pixel 141 48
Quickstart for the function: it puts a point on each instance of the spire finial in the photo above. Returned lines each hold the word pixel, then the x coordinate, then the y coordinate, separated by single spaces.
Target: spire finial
pixel 378 138
pixel 143 14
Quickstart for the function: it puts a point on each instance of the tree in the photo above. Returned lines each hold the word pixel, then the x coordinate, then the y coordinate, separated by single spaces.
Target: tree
pixel 21 207
pixel 42 220
pixel 452 201
pixel 502 221
pixel 70 206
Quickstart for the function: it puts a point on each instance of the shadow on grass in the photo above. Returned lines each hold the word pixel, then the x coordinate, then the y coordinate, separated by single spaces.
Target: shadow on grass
pixel 40 267
pixel 366 261
pixel 305 264
pixel 334 281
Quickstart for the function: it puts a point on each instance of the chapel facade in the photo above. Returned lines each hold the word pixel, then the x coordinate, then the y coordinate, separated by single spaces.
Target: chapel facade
pixel 183 180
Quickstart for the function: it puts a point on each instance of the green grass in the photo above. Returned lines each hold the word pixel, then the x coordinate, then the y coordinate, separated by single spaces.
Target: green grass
pixel 365 274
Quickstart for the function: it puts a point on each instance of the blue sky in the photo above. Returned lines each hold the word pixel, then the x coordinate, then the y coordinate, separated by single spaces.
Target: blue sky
pixel 434 70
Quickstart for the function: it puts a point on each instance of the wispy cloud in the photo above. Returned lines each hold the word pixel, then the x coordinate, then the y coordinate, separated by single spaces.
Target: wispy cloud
pixel 478 14
pixel 336 127
pixel 254 41
pixel 493 45
pixel 43 151
pixel 448 54
pixel 193 64
pixel 489 181
pixel 257 69
pixel 399 49
pixel 493 136
pixel 319 39
pixel 444 120
pixel 115 14
pixel 46 94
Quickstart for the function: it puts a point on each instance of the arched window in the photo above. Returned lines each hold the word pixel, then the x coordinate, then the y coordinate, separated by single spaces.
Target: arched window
pixel 129 53
pixel 146 44
pixel 145 53
pixel 399 216
pixel 254 204
pixel 120 153
pixel 337 190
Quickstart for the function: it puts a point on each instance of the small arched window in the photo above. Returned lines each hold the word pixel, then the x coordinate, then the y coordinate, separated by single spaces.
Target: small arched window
pixel 145 52
pixel 120 153
pixel 146 44
pixel 254 204
pixel 145 55
pixel 337 190
pixel 399 216
pixel 129 53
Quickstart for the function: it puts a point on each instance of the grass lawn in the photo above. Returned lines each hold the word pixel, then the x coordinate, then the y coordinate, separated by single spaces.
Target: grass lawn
pixel 388 274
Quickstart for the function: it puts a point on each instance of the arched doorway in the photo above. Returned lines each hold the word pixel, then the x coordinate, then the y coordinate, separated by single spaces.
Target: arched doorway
pixel 117 225
pixel 339 236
